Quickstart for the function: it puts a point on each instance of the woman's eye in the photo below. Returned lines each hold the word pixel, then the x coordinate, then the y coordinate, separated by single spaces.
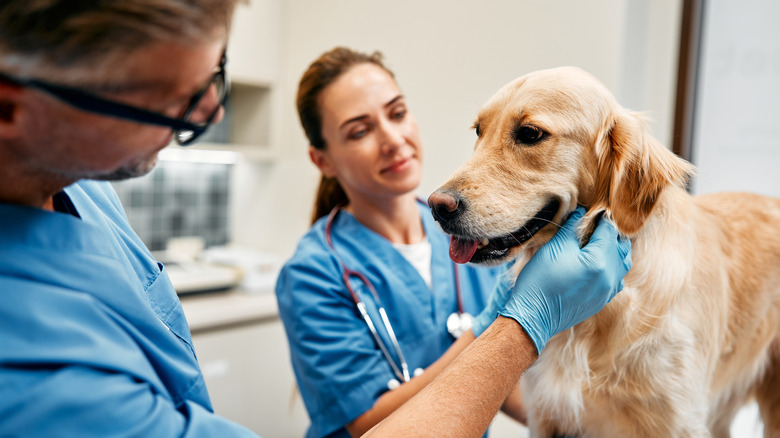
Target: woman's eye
pixel 528 134
pixel 358 134
pixel 399 114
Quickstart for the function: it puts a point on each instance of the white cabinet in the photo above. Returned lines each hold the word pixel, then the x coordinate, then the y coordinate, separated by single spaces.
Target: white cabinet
pixel 255 41
pixel 243 353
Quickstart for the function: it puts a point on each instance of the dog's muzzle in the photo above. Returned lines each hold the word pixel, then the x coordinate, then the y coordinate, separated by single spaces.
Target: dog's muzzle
pixel 467 245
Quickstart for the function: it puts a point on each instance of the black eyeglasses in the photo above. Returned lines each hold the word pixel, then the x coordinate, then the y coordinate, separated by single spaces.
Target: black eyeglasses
pixel 185 130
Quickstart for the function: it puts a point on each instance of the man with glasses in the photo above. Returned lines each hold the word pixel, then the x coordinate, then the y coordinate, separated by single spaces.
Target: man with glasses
pixel 93 341
pixel 185 127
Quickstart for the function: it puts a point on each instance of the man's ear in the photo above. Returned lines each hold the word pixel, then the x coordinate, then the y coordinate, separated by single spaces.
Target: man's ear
pixel 322 161
pixel 10 97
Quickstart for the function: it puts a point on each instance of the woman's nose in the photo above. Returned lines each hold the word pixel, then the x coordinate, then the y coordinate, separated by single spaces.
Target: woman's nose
pixel 392 136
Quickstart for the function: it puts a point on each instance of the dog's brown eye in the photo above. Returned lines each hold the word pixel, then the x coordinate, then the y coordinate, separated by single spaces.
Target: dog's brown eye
pixel 476 129
pixel 528 134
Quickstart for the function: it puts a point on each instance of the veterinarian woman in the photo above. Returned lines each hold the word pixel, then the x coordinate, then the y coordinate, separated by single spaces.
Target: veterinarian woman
pixel 353 369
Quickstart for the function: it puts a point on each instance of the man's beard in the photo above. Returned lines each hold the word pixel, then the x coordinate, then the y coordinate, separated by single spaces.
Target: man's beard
pixel 127 172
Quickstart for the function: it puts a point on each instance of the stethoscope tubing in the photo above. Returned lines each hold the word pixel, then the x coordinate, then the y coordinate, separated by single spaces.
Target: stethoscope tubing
pixel 401 372
pixel 404 372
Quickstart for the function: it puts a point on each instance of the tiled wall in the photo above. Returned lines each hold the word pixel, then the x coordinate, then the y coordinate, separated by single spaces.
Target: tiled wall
pixel 179 199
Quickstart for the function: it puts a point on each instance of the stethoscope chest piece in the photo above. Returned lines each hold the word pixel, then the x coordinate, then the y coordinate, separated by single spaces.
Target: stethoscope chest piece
pixel 395 383
pixel 458 323
pixel 392 384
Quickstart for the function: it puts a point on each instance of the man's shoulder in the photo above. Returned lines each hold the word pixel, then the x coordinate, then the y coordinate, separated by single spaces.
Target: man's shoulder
pixel 101 193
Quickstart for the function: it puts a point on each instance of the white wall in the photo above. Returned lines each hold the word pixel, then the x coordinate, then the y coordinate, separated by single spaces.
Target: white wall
pixel 449 58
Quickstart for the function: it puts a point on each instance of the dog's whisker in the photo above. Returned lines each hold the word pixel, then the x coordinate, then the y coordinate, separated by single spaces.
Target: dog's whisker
pixel 551 222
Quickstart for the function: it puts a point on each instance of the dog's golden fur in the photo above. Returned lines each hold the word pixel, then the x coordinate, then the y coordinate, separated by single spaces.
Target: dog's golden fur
pixel 695 333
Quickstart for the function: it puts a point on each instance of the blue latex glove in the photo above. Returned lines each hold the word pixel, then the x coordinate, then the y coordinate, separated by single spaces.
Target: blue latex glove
pixel 498 299
pixel 562 285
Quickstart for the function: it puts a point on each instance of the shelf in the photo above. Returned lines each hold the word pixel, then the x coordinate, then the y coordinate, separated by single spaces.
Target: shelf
pixel 257 154
pixel 247 127
pixel 224 153
pixel 250 114
pixel 244 80
pixel 252 152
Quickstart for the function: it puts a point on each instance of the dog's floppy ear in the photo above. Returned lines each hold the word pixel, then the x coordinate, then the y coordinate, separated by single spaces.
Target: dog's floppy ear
pixel 633 170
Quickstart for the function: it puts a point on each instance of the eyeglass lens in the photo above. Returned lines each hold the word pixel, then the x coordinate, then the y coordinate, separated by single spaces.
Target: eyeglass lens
pixel 219 84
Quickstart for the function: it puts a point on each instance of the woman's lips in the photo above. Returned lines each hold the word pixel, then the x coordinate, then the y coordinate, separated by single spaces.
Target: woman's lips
pixel 398 166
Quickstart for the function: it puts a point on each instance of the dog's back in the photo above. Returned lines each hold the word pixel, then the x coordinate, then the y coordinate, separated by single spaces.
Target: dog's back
pixel 694 335
pixel 748 226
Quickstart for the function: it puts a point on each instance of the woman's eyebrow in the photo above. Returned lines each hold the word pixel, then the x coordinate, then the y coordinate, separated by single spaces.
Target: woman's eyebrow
pixel 363 116
pixel 394 100
pixel 354 119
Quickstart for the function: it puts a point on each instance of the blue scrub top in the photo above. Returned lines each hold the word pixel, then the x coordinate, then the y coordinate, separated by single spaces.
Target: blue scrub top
pixel 93 340
pixel 339 368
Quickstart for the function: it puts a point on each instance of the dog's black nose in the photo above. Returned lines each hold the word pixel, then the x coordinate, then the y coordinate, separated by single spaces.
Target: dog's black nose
pixel 445 207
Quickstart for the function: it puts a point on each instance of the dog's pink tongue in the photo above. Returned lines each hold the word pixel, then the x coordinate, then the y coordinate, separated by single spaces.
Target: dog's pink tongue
pixel 461 250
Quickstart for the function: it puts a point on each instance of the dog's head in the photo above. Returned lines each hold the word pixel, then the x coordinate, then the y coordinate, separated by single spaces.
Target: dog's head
pixel 546 142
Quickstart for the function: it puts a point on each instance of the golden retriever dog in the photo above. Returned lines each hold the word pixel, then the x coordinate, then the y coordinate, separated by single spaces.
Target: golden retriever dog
pixel 695 333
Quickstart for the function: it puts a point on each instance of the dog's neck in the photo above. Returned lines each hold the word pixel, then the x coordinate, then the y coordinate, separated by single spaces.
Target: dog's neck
pixel 649 272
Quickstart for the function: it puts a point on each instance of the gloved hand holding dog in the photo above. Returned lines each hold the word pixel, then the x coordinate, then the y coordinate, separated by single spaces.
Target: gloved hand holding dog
pixel 563 284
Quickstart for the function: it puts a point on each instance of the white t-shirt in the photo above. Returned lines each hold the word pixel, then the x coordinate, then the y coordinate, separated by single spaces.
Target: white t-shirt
pixel 419 256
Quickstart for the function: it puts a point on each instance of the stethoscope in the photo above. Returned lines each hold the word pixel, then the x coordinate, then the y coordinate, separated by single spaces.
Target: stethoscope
pixel 457 323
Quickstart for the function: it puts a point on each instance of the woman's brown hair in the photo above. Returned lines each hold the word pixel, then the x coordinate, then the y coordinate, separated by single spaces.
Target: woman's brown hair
pixel 321 73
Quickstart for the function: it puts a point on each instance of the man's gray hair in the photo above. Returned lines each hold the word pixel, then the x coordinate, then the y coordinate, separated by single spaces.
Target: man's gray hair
pixel 60 34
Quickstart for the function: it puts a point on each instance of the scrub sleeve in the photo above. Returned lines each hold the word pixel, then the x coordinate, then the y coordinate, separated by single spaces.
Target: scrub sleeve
pixel 93 340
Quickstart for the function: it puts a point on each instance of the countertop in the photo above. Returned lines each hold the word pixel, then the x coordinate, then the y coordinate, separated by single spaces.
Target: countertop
pixel 208 311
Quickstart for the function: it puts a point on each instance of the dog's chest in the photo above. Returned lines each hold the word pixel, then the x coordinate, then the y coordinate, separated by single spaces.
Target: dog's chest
pixel 582 384
pixel 553 386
